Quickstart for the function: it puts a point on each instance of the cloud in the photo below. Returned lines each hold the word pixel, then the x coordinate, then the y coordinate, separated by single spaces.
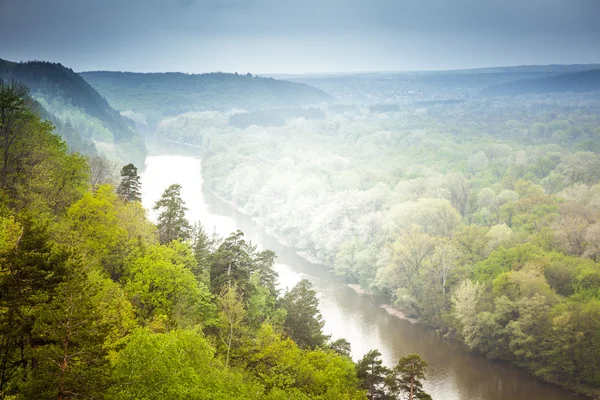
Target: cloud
pixel 197 35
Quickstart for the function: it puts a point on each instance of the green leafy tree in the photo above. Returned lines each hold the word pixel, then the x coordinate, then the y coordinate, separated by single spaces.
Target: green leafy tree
pixel 179 364
pixel 372 373
pixel 130 187
pixel 172 224
pixel 304 323
pixel 166 292
pixel 35 170
pixel 406 378
pixel 288 372
pixel 107 231
pixel 233 321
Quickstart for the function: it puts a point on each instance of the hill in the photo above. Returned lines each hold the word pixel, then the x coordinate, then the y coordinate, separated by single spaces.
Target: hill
pixel 153 95
pixel 418 86
pixel 74 105
pixel 579 82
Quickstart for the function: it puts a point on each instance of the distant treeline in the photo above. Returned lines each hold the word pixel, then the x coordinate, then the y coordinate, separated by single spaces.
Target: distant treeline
pixel 579 82
pixel 273 117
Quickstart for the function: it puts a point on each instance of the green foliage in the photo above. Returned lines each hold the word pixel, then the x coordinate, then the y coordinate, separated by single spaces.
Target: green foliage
pixel 79 111
pixel 35 171
pixel 505 260
pixel 130 187
pixel 372 375
pixel 413 197
pixel 179 364
pixel 107 231
pixel 282 367
pixel 303 321
pixel 156 95
pixel 172 224
pixel 74 333
pixel 92 305
pixel 164 290
pixel 406 376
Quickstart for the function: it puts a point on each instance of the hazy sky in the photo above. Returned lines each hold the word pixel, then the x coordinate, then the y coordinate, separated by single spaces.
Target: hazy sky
pixel 285 36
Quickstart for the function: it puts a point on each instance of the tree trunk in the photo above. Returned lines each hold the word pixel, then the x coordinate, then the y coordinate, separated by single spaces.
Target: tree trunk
pixel 64 364
pixel 412 381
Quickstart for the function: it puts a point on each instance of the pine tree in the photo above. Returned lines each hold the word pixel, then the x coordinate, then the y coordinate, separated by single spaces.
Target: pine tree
pixel 304 322
pixel 405 378
pixel 130 188
pixel 172 224
pixel 371 372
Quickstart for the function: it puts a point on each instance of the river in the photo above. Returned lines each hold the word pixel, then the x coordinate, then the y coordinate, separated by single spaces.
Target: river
pixel 453 372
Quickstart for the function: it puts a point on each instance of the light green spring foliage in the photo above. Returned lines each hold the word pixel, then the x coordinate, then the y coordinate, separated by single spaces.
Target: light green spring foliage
pixel 95 306
pixel 280 364
pixel 179 364
pixel 502 192
pixel 162 286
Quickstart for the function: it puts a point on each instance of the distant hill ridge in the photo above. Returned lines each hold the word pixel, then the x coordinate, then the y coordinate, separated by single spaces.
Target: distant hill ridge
pixel 155 95
pixel 583 81
pixel 67 97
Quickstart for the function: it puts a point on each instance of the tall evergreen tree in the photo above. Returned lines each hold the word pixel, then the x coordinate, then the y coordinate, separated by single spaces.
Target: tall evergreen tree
pixel 304 323
pixel 172 224
pixel 405 378
pixel 130 188
pixel 371 372
pixel 232 263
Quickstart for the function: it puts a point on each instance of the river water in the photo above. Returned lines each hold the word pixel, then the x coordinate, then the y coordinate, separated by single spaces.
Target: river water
pixel 453 372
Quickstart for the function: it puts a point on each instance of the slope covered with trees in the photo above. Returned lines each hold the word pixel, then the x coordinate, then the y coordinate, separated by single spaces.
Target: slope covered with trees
pixel 96 303
pixel 82 116
pixel 157 95
pixel 478 218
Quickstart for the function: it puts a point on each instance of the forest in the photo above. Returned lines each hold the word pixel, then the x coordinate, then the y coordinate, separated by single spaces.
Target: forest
pixel 471 211
pixel 82 117
pixel 479 218
pixel 98 302
pixel 148 98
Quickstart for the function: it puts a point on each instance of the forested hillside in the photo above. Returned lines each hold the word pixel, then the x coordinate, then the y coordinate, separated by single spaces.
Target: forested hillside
pixel 155 96
pixel 83 117
pixel 480 218
pixel 97 302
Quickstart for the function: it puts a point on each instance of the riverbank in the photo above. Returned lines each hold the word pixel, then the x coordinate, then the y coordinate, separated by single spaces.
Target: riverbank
pixel 455 374
pixel 387 307
pixel 574 390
